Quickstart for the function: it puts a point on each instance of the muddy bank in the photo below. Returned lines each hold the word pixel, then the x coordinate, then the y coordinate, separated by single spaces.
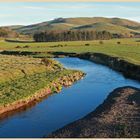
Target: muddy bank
pixel 128 69
pixel 117 117
pixel 53 87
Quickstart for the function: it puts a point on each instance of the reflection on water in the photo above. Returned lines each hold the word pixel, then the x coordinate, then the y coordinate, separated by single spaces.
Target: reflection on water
pixel 22 108
pixel 71 104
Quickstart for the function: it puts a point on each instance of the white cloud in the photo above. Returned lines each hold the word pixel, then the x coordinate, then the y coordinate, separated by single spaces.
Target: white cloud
pixel 128 8
pixel 34 7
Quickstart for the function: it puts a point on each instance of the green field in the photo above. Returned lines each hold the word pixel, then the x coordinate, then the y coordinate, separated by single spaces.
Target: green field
pixel 128 49
pixel 12 67
pixel 26 87
pixel 22 77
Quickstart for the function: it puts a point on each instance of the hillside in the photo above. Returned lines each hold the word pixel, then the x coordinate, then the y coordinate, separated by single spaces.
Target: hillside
pixel 113 25
pixel 8 32
pixel 112 28
pixel 13 27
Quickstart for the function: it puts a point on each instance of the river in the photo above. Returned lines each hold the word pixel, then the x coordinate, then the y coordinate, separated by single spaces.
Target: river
pixel 69 105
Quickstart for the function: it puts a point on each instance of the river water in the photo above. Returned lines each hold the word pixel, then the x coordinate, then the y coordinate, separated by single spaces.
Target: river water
pixel 69 105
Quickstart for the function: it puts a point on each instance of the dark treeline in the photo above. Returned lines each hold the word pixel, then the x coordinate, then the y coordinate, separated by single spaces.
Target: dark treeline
pixel 71 36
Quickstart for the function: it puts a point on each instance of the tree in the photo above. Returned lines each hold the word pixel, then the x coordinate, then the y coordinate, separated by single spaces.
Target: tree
pixel 71 35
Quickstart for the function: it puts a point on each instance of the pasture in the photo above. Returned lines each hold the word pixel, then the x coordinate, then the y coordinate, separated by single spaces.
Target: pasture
pixel 128 49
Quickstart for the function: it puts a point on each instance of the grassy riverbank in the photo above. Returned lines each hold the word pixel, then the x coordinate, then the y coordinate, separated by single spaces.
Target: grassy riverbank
pixel 117 117
pixel 24 79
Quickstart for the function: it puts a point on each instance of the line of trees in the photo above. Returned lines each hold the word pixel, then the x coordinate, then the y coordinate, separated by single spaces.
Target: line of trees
pixel 71 36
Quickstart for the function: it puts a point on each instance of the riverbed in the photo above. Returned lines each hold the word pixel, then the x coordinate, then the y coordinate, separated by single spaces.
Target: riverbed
pixel 67 106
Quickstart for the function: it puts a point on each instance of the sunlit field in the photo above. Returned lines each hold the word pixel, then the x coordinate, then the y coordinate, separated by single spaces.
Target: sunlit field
pixel 128 49
pixel 22 77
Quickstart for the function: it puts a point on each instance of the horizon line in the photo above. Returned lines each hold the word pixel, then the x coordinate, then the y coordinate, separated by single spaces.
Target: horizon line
pixel 66 18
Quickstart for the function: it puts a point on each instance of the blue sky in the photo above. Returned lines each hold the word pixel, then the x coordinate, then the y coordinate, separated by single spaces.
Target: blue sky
pixel 24 13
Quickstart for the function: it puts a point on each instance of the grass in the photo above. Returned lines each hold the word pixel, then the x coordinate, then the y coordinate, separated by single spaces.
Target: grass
pixel 12 67
pixel 22 77
pixel 25 87
pixel 128 49
pixel 101 26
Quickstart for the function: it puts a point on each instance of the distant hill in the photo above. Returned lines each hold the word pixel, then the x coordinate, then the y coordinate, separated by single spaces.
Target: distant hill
pixel 101 26
pixel 113 25
pixel 14 27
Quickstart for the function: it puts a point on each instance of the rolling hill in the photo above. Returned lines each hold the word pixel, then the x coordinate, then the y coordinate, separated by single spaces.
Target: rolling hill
pixel 113 25
pixel 101 26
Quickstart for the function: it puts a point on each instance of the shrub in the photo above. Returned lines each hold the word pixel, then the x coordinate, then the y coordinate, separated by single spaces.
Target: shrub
pixel 59 45
pixel 18 47
pixel 47 62
pixel 101 42
pixel 26 46
pixel 87 44
pixel 118 42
